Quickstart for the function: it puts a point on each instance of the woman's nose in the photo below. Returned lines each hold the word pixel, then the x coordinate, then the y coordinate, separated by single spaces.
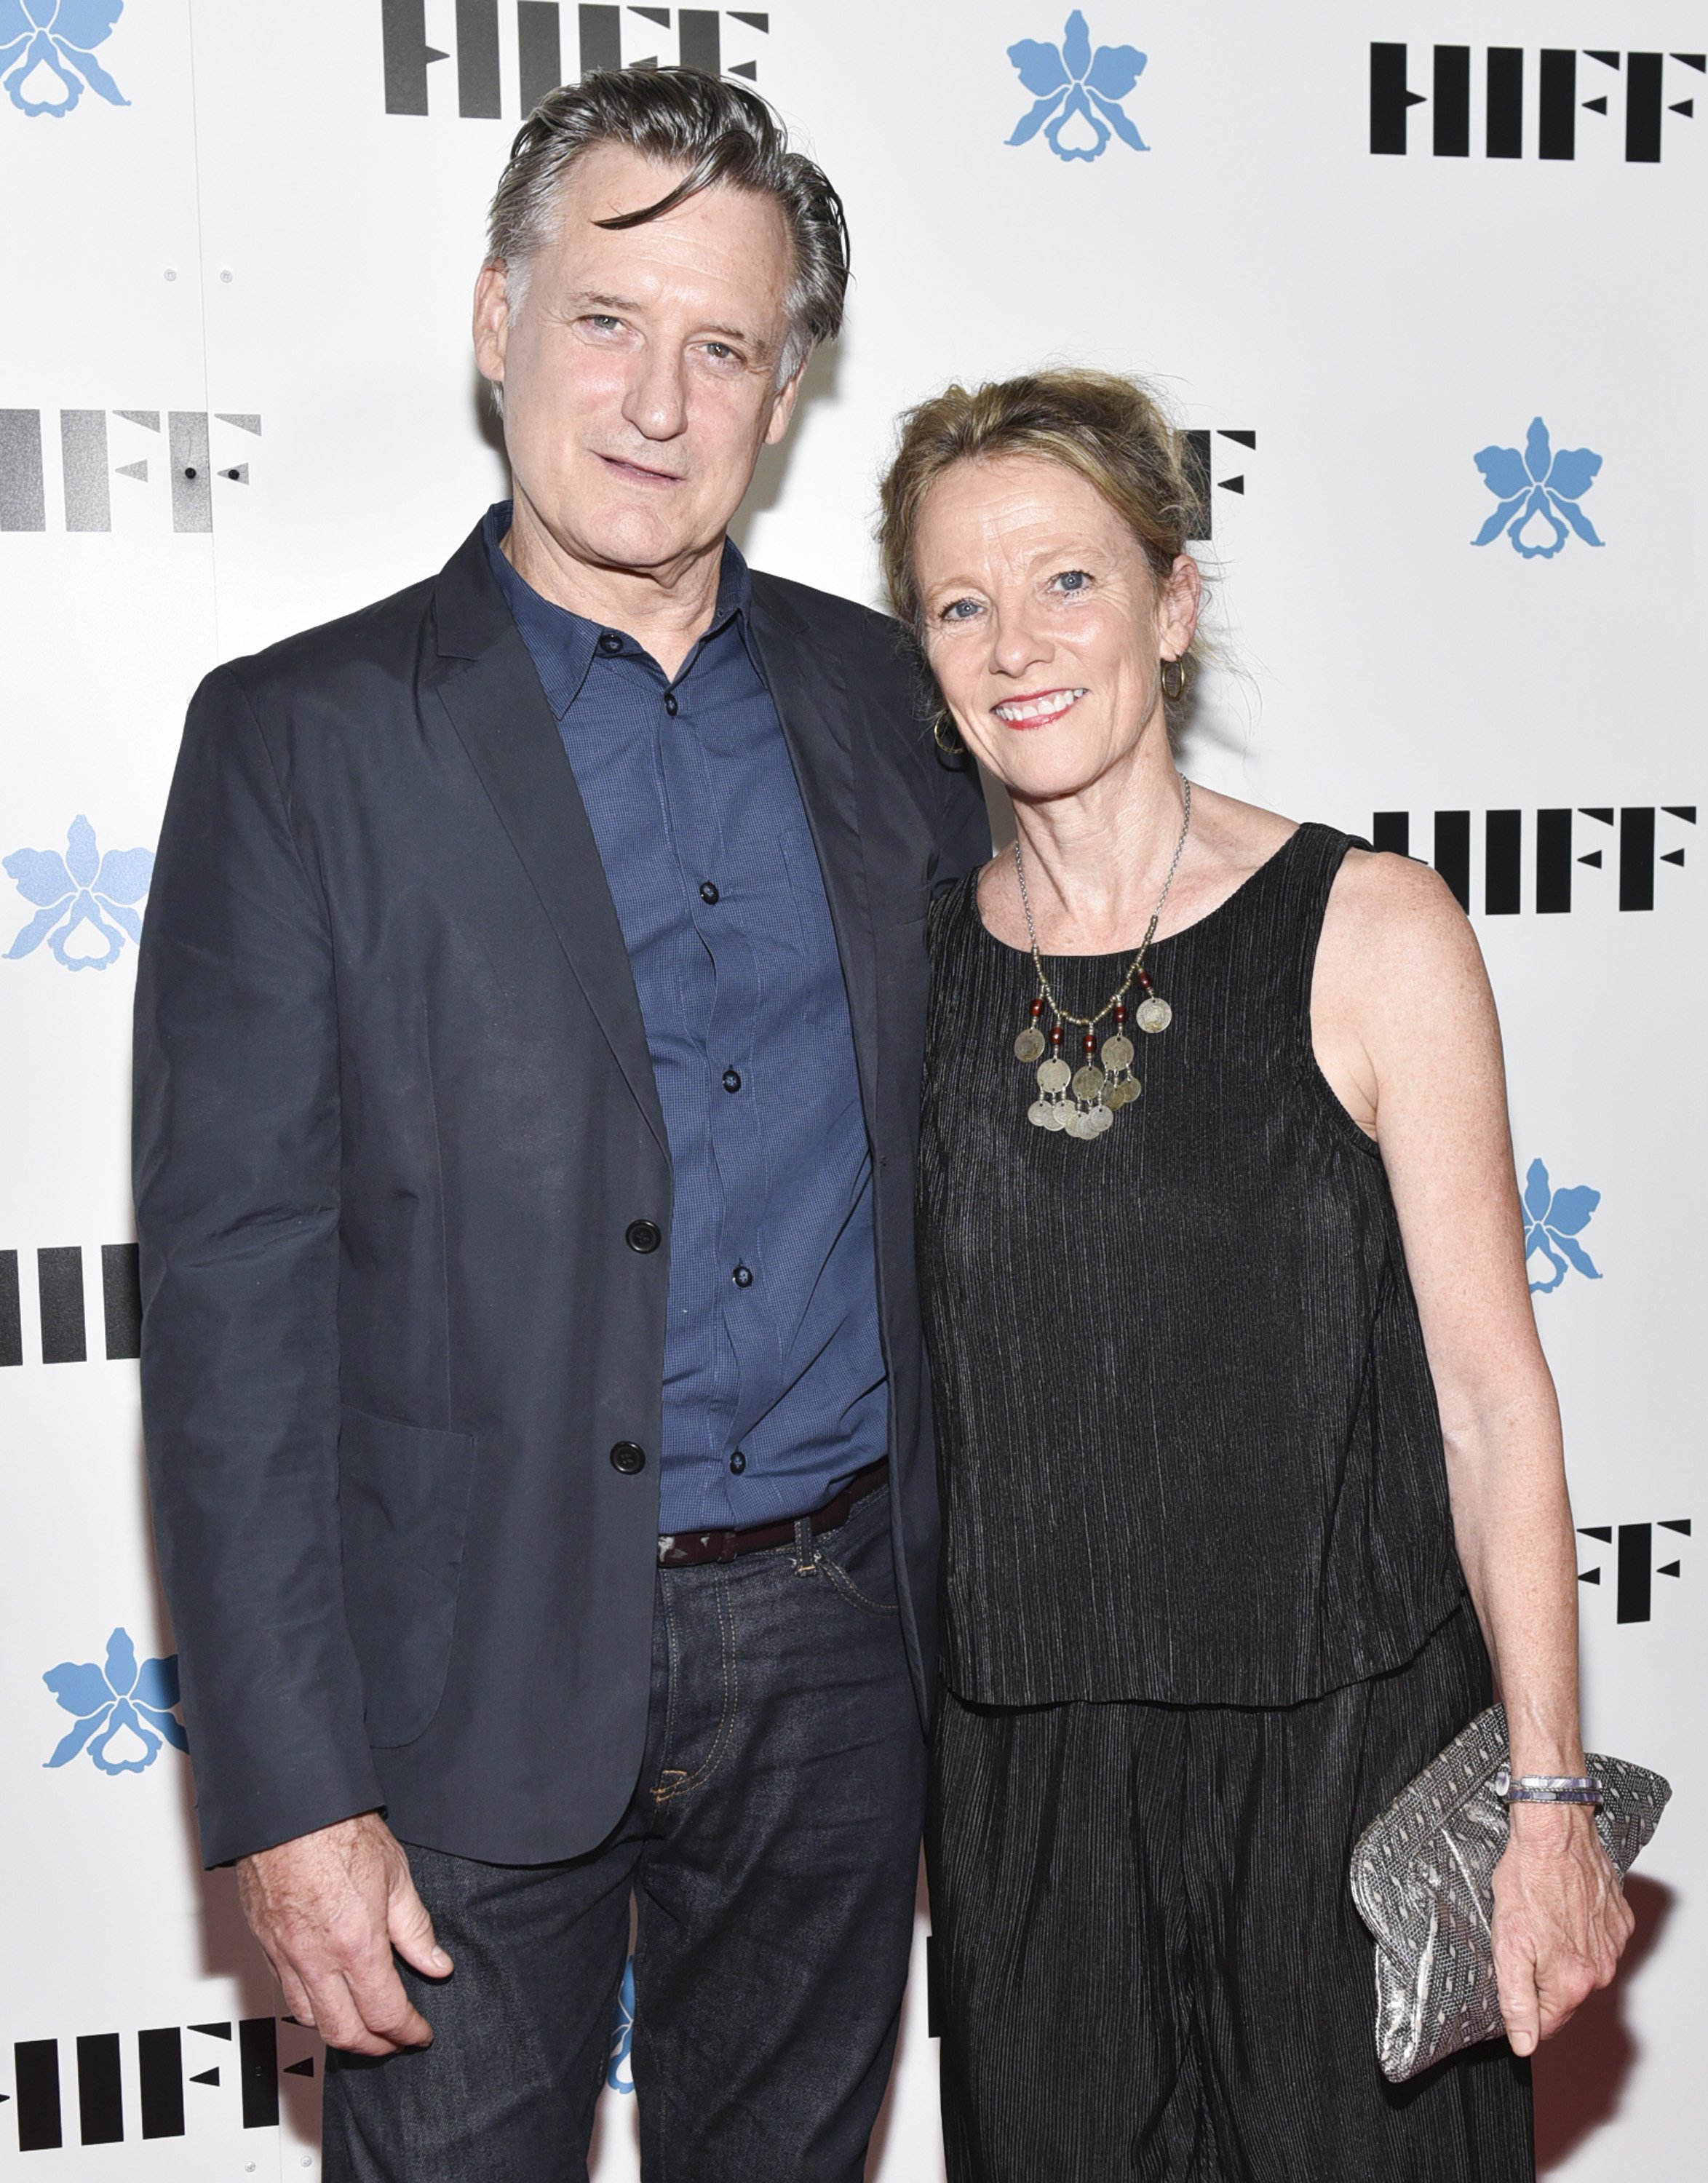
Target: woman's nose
pixel 1015 645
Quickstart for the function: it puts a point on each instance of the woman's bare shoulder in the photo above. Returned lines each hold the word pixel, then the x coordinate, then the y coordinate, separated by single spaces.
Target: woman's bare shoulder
pixel 1392 923
pixel 1383 893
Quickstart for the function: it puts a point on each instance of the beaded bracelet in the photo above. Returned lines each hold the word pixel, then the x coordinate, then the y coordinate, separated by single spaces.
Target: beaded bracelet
pixel 1547 1788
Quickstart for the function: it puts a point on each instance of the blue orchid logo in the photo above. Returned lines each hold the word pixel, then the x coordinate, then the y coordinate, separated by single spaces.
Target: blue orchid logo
pixel 131 1706
pixel 82 887
pixel 1554 1219
pixel 45 44
pixel 619 2068
pixel 1072 83
pixel 1537 487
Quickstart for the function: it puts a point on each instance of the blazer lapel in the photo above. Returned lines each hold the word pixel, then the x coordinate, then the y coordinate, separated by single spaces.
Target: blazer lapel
pixel 501 716
pixel 812 700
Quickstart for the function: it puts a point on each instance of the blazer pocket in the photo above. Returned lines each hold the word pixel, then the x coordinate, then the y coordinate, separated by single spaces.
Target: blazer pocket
pixel 402 1506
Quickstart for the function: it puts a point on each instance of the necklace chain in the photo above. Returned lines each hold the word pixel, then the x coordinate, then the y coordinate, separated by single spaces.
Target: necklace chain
pixel 1062 1015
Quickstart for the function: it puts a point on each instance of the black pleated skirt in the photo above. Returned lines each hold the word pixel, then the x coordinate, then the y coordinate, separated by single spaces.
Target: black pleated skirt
pixel 1152 1967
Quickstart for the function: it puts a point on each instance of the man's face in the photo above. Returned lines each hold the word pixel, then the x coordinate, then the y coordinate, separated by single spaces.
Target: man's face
pixel 640 370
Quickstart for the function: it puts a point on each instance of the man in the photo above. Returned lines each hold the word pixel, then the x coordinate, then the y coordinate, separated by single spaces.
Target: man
pixel 528 1039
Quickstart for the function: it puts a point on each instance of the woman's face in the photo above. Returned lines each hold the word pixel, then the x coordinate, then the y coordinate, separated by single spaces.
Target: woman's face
pixel 1042 623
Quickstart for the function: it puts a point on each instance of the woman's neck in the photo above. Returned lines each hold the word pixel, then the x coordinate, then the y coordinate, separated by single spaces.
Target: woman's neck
pixel 1096 863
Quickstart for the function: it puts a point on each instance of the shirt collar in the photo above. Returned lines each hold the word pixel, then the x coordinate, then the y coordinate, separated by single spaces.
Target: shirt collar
pixel 564 645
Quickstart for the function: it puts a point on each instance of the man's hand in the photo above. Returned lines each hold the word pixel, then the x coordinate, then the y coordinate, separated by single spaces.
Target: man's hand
pixel 1560 1920
pixel 329 1908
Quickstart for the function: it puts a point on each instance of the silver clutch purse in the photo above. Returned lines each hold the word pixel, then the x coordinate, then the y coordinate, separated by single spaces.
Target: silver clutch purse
pixel 1423 1880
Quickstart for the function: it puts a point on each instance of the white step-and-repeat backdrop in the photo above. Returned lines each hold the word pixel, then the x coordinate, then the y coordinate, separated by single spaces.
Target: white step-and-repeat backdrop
pixel 1425 282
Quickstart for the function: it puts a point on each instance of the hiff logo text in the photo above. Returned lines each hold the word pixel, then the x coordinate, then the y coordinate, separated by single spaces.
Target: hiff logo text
pixel 160 2080
pixel 1557 849
pixel 87 471
pixel 1634 1566
pixel 1198 454
pixel 61 1331
pixel 1517 123
pixel 535 29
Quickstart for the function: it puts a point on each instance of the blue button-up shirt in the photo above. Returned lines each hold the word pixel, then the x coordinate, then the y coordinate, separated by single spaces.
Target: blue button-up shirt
pixel 774 1376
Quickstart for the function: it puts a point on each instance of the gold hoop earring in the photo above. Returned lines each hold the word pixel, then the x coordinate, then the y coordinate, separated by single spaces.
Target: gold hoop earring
pixel 1175 690
pixel 951 747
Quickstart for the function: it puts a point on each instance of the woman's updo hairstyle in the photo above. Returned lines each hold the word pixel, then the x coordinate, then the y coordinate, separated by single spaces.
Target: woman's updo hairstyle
pixel 1114 432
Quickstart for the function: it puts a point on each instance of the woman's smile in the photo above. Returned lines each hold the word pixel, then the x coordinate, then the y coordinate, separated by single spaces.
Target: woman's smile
pixel 1038 711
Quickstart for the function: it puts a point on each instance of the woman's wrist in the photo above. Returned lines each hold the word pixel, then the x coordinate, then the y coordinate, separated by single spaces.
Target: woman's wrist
pixel 1550 1829
pixel 1544 1737
pixel 1549 1761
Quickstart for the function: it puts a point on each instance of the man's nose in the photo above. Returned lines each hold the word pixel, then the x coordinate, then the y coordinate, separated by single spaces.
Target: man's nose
pixel 657 401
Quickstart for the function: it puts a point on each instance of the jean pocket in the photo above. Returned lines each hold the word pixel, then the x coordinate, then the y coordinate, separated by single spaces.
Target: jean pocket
pixel 859 1560
pixel 403 1509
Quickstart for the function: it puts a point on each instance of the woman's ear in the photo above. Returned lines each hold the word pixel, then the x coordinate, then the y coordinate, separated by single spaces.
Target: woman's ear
pixel 1177 607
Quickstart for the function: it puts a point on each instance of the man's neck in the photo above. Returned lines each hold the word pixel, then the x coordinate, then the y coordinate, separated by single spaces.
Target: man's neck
pixel 667 609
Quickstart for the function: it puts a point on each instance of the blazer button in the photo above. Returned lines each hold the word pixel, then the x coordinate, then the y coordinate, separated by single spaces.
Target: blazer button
pixel 643 1236
pixel 628 1458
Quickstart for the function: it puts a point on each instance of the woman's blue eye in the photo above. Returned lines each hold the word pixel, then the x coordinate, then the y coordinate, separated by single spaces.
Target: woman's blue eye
pixel 1073 580
pixel 960 610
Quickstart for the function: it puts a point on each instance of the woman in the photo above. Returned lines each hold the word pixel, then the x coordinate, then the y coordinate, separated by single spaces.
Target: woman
pixel 1251 1459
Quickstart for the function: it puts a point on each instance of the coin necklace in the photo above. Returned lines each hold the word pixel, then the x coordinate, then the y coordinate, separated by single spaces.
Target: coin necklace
pixel 1085 1101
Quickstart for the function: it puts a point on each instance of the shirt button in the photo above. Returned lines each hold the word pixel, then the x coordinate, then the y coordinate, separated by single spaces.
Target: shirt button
pixel 742 1277
pixel 738 1463
pixel 628 1458
pixel 732 1080
pixel 643 1236
pixel 709 893
pixel 609 642
pixel 669 704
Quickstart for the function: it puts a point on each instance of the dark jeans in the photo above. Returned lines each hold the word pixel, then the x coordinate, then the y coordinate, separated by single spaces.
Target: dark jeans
pixel 771 1845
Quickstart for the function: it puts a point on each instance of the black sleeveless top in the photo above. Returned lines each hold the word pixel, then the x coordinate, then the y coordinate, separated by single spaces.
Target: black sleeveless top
pixel 1189 1443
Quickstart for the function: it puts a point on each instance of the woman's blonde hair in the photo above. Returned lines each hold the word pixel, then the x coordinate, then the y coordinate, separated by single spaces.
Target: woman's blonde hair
pixel 1114 432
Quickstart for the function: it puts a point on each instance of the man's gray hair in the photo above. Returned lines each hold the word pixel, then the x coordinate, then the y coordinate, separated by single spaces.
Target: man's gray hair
pixel 721 133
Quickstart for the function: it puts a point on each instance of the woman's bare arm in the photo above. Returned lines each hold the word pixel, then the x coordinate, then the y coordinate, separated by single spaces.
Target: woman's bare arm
pixel 1405 1032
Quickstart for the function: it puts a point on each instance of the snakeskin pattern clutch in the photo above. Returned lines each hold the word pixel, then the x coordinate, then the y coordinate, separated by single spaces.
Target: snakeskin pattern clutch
pixel 1423 1880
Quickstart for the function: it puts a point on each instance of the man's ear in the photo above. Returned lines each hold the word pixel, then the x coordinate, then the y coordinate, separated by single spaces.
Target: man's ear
pixel 492 319
pixel 783 404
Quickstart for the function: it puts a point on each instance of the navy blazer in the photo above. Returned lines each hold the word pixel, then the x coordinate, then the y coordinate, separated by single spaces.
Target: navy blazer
pixel 394 1121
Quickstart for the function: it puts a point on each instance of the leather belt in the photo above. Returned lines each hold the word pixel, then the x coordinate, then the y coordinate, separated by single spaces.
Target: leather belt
pixel 684 1549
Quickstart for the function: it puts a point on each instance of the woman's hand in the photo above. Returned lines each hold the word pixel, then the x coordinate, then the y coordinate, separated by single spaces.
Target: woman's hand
pixel 1560 1920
